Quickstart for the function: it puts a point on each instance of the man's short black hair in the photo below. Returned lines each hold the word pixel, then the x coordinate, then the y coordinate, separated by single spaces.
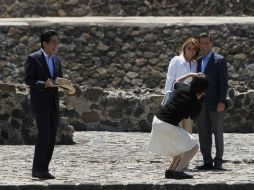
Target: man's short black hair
pixel 46 36
pixel 199 84
pixel 206 35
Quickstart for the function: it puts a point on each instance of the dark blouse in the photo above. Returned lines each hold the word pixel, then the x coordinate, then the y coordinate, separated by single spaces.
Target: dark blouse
pixel 183 104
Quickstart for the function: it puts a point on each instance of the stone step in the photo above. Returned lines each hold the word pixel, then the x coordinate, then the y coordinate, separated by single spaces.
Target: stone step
pixel 40 8
pixel 126 21
pixel 130 186
pixel 126 52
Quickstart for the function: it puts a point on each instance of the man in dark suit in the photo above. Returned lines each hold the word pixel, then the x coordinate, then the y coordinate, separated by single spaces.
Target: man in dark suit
pixel 41 68
pixel 211 117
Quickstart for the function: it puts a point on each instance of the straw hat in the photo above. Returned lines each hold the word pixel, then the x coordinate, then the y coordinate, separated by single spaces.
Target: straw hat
pixel 66 85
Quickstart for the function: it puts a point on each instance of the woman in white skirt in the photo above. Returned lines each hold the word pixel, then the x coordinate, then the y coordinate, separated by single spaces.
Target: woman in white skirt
pixel 167 138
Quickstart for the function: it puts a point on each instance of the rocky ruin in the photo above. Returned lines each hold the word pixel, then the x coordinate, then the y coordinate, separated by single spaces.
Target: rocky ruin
pixel 17 124
pixel 117 56
pixel 79 8
pixel 93 108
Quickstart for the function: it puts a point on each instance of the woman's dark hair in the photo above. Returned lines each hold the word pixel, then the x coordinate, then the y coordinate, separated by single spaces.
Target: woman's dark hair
pixel 46 36
pixel 199 84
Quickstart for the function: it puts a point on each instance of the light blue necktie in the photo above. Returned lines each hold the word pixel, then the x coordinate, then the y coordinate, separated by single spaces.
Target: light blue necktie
pixel 50 66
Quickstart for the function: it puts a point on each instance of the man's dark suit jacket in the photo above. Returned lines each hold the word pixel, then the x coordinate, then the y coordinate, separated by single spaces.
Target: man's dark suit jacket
pixel 216 71
pixel 36 74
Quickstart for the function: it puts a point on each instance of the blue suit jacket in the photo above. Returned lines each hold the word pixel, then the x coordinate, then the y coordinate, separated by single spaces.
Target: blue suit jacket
pixel 36 74
pixel 216 71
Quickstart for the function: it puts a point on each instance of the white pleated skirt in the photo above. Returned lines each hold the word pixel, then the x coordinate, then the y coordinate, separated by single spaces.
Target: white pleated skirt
pixel 169 140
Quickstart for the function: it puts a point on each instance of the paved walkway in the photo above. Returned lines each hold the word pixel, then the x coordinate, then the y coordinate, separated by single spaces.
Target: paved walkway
pixel 122 158
pixel 127 21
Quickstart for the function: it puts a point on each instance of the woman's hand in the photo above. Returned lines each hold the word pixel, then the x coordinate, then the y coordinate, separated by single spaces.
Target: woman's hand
pixel 180 79
pixel 199 74
pixel 220 107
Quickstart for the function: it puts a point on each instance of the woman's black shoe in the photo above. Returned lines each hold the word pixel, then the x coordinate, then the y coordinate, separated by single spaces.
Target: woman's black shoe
pixel 169 174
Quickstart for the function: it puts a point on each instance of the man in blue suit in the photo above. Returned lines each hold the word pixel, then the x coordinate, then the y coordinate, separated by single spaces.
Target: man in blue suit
pixel 41 68
pixel 211 117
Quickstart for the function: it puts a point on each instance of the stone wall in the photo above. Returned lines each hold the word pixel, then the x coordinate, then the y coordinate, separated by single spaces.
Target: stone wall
pixel 17 125
pixel 42 8
pixel 93 108
pixel 125 56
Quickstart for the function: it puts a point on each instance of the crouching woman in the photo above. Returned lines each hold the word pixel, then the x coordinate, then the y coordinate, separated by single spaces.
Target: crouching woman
pixel 167 138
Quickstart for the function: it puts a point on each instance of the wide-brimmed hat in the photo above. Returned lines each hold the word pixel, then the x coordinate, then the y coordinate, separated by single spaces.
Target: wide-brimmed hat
pixel 66 85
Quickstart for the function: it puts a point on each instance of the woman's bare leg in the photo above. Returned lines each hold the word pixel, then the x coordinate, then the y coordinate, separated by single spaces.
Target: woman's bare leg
pixel 174 162
pixel 186 158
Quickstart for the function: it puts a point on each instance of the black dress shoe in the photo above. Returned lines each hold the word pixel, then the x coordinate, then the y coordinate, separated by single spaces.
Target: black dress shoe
pixel 217 167
pixel 169 174
pixel 205 167
pixel 43 175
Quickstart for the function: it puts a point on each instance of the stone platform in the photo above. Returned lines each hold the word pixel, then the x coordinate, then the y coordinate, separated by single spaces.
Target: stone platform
pixel 149 21
pixel 120 161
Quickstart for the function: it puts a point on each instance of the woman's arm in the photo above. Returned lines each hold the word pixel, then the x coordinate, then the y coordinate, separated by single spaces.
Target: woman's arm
pixel 184 77
pixel 171 74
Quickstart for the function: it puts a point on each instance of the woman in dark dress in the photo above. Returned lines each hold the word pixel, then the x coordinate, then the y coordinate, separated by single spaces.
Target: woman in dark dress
pixel 167 138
